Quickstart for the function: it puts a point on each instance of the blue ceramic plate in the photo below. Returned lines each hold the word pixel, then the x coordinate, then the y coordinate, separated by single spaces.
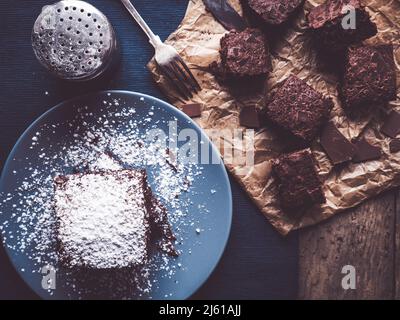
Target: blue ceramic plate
pixel 63 141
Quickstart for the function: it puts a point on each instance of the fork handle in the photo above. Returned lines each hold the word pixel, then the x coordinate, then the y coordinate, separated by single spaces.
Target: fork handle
pixel 154 39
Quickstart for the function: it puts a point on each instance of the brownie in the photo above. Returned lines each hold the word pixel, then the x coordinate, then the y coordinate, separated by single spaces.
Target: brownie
pixel 244 54
pixel 298 108
pixel 160 226
pixel 369 77
pixel 102 219
pixel 273 12
pixel 299 185
pixel 325 22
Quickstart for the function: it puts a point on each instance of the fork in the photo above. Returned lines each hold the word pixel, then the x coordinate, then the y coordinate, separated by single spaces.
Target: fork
pixel 168 59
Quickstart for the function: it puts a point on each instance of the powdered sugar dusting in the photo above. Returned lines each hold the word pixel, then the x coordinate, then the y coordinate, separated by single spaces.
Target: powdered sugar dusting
pixel 103 221
pixel 91 139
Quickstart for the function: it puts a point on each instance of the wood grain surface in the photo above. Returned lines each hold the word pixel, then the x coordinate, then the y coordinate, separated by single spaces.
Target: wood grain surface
pixel 364 237
pixel 397 247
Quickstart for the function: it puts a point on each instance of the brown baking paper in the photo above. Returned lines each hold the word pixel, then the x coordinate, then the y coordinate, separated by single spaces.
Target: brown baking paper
pixel 197 40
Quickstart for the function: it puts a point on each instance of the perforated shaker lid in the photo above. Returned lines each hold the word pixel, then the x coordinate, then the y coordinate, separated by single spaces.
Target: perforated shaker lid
pixel 73 40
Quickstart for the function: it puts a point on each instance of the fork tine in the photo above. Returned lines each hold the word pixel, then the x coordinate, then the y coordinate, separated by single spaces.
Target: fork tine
pixel 176 84
pixel 194 81
pixel 171 80
pixel 179 79
pixel 183 75
pixel 186 79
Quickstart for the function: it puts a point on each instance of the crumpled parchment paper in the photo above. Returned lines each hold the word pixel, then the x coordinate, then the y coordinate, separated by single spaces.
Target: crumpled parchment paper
pixel 197 40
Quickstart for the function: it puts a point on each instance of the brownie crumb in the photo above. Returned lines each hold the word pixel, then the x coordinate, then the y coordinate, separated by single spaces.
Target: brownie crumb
pixel 299 185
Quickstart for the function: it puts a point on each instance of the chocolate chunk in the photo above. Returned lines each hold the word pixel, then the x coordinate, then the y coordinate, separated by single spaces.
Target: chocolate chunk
pixel 193 110
pixel 391 126
pixel 273 12
pixel 325 22
pixel 369 77
pixel 248 117
pixel 299 109
pixel 243 54
pixel 299 185
pixel 394 145
pixel 337 147
pixel 225 14
pixel 366 151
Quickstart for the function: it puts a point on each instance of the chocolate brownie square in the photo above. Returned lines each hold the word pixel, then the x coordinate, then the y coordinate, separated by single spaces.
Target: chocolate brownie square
pixel 299 185
pixel 273 12
pixel 244 54
pixel 102 219
pixel 329 24
pixel 299 109
pixel 369 76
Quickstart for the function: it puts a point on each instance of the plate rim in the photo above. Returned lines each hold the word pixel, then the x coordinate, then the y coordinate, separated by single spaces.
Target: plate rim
pixel 33 124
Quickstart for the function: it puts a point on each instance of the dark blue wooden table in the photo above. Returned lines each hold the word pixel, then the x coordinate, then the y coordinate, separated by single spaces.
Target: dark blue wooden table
pixel 258 263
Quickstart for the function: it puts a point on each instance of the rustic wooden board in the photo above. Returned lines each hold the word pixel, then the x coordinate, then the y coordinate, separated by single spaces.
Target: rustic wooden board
pixel 397 248
pixel 363 237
